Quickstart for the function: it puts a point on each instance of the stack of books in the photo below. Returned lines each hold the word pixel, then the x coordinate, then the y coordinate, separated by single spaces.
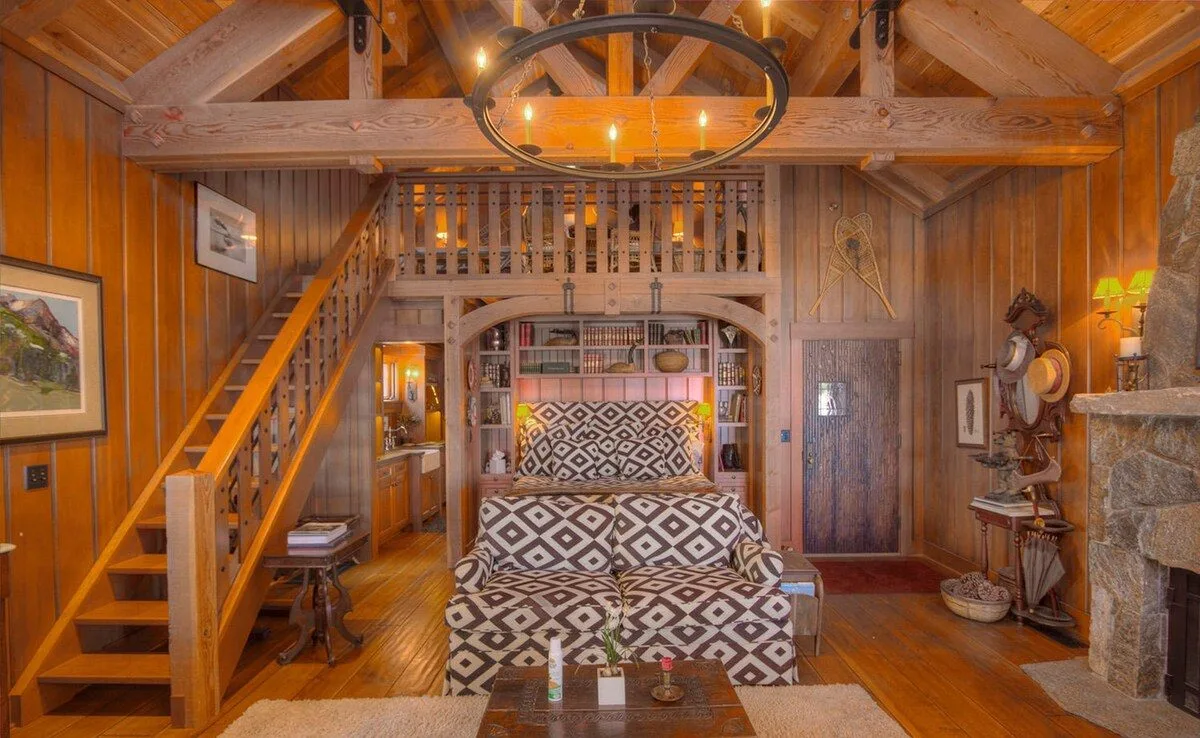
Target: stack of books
pixel 316 535
pixel 1018 509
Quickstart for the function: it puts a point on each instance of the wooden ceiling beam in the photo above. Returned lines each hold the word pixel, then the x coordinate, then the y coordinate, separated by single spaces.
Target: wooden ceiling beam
pixel 26 19
pixel 876 66
pixel 562 66
pixel 829 60
pixel 240 53
pixel 66 63
pixel 1171 57
pixel 1005 48
pixel 620 54
pixel 685 56
pixel 844 130
pixel 803 18
pixel 395 26
pixel 366 68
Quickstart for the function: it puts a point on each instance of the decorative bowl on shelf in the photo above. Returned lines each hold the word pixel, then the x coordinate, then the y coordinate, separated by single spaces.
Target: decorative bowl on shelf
pixel 671 361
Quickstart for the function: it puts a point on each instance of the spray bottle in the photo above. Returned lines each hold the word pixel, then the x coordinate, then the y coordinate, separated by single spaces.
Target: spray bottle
pixel 555 668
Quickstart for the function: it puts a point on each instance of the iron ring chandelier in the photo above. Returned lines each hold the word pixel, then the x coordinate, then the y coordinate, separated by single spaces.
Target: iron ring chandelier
pixel 522 46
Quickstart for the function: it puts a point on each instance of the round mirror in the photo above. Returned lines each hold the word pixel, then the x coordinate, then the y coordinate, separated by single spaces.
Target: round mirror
pixel 1029 405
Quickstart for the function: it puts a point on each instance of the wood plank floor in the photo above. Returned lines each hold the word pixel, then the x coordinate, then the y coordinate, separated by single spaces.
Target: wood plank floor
pixel 935 673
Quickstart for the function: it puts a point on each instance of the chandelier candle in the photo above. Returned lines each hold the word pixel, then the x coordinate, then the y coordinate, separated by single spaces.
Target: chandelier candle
pixel 518 13
pixel 612 143
pixel 528 124
pixel 703 126
pixel 481 59
pixel 766 7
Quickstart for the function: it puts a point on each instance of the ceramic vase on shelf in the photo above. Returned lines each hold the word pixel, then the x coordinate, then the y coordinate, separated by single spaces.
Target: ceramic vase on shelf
pixel 731 460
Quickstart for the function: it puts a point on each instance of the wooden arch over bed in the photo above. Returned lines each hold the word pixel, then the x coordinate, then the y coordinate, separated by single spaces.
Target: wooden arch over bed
pixel 591 299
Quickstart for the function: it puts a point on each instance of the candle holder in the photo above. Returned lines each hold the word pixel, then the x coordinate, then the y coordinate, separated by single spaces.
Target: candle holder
pixel 1133 373
pixel 665 691
pixel 703 154
pixel 776 45
pixel 531 149
pixel 612 166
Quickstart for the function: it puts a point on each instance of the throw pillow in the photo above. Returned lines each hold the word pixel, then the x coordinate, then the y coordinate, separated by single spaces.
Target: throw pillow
pixel 576 460
pixel 642 459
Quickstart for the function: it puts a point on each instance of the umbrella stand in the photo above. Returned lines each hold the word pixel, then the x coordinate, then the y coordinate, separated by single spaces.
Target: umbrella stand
pixel 1043 570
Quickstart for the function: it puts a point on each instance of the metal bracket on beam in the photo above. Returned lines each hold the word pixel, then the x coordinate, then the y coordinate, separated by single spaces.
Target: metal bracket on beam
pixel 883 10
pixel 360 33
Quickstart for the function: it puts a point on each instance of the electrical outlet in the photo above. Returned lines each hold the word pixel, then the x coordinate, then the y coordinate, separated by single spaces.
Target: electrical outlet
pixel 785 435
pixel 37 476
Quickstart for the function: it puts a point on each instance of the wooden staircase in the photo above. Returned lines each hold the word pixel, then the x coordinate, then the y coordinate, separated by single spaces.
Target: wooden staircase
pixel 252 444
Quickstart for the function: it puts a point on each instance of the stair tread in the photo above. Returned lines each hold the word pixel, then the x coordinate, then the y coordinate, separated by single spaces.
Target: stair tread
pixel 141 564
pixel 127 612
pixel 159 522
pixel 111 668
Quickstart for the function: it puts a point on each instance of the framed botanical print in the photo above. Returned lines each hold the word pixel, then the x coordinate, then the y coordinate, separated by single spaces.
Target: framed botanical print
pixel 51 353
pixel 971 412
pixel 226 235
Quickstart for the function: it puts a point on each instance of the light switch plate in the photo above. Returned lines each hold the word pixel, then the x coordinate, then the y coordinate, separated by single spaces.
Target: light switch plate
pixel 785 435
pixel 37 476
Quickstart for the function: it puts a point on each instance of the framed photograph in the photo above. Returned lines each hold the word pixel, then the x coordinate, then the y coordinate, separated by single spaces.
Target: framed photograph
pixel 226 235
pixel 971 412
pixel 51 353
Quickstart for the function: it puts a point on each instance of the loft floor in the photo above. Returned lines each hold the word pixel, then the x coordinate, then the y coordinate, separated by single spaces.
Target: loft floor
pixel 935 673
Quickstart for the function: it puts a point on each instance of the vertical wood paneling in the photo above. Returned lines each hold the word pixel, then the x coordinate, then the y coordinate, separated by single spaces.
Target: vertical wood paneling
pixel 1056 232
pixel 167 321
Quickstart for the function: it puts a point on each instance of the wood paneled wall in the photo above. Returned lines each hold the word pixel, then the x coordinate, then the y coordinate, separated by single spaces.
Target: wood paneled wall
pixel 813 199
pixel 68 199
pixel 1056 232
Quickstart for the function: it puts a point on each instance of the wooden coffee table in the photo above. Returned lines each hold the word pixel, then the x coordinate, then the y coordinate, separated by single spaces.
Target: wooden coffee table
pixel 519 708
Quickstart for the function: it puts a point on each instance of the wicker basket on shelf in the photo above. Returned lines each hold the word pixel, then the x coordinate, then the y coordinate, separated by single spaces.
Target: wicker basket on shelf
pixel 983 611
pixel 671 361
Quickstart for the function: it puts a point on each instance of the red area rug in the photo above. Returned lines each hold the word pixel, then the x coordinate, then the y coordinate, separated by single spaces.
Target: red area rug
pixel 879 576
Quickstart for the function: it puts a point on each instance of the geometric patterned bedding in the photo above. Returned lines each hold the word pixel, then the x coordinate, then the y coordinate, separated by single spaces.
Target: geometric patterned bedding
pixel 713 611
pixel 687 483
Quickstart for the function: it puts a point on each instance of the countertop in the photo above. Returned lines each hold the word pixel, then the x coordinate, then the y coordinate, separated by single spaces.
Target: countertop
pixel 409 450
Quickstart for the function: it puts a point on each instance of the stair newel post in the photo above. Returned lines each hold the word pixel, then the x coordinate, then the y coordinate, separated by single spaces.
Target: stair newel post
pixel 197 538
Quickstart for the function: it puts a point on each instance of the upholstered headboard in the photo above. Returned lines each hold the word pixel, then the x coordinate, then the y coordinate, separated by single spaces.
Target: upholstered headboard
pixel 644 413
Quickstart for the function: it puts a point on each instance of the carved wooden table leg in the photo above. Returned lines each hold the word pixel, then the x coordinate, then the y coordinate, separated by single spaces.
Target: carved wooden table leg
pixel 323 609
pixel 983 527
pixel 1019 542
pixel 304 619
pixel 344 605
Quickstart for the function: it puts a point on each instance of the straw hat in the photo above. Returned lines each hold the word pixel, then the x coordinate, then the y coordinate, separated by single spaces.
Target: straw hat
pixel 1050 375
pixel 1014 357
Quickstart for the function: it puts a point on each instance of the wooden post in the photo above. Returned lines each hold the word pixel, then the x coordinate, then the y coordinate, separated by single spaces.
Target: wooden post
pixel 5 589
pixel 456 436
pixel 196 523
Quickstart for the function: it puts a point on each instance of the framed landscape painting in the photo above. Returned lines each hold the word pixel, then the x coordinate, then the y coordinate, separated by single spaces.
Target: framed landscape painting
pixel 971 412
pixel 226 235
pixel 51 353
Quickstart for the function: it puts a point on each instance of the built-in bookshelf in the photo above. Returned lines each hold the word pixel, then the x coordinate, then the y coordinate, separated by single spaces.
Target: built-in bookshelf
pixel 624 347
pixel 732 409
pixel 494 395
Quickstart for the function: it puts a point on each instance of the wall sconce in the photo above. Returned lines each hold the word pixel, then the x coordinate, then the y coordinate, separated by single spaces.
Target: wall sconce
pixel 1109 290
pixel 656 297
pixel 410 384
pixel 524 412
pixel 568 297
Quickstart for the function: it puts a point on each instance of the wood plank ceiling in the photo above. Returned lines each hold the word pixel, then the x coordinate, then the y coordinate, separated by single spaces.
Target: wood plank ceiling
pixel 979 48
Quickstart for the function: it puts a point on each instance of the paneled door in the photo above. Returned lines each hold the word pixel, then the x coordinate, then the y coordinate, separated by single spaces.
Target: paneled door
pixel 851 447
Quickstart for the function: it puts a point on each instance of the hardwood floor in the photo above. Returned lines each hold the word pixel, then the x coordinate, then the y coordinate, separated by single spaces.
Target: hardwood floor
pixel 935 673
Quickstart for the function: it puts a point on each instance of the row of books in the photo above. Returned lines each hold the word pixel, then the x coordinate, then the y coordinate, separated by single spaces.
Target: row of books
pixel 733 410
pixel 697 336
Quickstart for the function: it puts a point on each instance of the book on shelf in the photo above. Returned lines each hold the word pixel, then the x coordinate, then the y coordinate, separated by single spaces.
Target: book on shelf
pixel 317 534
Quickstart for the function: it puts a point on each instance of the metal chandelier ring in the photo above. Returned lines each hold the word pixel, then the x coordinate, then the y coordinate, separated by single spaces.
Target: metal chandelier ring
pixel 480 101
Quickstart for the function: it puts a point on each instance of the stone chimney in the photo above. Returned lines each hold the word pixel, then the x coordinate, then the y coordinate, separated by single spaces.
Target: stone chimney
pixel 1170 339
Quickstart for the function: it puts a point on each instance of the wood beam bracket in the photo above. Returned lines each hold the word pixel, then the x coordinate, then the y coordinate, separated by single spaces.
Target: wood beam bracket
pixel 360 34
pixel 882 10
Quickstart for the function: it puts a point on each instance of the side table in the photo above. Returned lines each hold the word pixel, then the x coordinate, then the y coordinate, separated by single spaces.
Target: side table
pixel 319 565
pixel 1013 523
pixel 806 608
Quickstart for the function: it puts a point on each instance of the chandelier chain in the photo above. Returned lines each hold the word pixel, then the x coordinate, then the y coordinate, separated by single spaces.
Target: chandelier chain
pixel 737 23
pixel 578 14
pixel 516 90
pixel 658 160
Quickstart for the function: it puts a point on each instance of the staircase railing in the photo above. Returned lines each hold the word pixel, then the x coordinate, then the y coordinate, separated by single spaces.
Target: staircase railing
pixel 259 466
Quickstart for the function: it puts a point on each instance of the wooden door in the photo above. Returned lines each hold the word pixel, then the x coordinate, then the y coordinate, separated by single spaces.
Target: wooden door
pixel 851 439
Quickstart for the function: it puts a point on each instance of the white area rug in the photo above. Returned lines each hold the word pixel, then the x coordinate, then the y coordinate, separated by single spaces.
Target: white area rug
pixel 1078 690
pixel 827 711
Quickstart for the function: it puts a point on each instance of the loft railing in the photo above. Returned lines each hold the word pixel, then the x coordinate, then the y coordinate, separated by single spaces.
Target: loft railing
pixel 470 227
pixel 253 468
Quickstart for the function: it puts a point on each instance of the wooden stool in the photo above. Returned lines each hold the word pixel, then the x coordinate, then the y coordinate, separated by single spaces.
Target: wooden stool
pixel 320 565
pixel 806 609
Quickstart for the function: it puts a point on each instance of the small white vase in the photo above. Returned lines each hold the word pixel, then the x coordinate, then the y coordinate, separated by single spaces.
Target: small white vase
pixel 610 690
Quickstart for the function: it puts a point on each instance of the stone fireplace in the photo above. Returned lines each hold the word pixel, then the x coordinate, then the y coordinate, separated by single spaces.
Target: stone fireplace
pixel 1144 452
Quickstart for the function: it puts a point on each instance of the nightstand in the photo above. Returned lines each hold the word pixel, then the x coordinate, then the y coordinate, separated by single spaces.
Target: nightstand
pixel 806 608
pixel 734 483
pixel 494 485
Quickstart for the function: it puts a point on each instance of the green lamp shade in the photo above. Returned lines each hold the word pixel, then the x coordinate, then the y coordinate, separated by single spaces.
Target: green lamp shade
pixel 1140 284
pixel 523 412
pixel 704 410
pixel 1108 288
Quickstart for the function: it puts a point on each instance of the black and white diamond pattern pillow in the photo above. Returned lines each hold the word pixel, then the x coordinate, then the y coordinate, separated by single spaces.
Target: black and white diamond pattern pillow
pixel 538 457
pixel 642 459
pixel 579 461
pixel 676 445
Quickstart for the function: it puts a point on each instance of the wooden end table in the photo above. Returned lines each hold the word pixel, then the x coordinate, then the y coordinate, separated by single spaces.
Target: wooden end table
pixel 518 706
pixel 320 565
pixel 806 609
pixel 1014 524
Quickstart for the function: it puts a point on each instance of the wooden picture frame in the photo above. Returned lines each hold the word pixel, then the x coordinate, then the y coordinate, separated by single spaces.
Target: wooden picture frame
pixel 51 353
pixel 971 411
pixel 226 235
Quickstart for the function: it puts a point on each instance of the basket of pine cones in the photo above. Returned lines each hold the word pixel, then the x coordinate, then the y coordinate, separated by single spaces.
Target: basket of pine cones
pixel 973 597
